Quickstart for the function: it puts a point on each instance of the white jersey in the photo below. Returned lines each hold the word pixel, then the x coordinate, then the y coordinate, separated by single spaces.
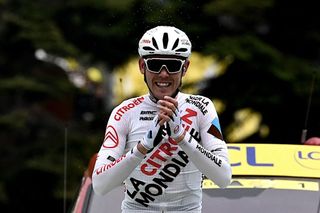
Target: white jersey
pixel 167 179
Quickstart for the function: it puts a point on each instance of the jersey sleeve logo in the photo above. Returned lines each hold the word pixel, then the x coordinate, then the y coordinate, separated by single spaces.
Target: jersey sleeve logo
pixel 215 129
pixel 111 139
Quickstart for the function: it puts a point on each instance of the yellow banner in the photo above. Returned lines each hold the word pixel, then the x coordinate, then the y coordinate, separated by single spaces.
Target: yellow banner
pixel 267 184
pixel 275 160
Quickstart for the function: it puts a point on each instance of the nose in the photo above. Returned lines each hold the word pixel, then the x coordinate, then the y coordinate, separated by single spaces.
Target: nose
pixel 164 72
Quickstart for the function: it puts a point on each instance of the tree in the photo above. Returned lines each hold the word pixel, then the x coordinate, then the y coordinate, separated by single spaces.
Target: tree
pixel 272 52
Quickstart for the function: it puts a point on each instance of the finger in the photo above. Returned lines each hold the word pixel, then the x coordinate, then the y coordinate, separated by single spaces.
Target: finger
pixel 167 104
pixel 163 118
pixel 165 110
pixel 171 100
pixel 161 122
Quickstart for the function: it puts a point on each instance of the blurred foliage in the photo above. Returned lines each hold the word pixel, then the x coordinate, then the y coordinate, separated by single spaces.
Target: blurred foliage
pixel 273 53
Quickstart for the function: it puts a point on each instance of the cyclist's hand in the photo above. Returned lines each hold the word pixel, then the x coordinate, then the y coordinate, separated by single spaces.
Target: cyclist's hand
pixel 154 134
pixel 169 112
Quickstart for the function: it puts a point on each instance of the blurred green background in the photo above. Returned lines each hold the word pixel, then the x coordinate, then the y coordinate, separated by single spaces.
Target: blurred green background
pixel 59 62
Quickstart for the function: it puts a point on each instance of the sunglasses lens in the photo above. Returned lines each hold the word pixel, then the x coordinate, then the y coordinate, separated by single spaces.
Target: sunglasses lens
pixel 172 65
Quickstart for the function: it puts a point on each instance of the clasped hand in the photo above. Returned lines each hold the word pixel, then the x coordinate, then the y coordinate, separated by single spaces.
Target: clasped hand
pixel 170 115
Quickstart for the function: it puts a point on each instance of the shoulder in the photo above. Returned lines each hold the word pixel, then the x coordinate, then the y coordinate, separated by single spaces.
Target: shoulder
pixel 127 107
pixel 198 102
pixel 132 102
pixel 195 98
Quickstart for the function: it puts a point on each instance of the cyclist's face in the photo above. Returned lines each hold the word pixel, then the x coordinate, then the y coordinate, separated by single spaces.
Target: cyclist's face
pixel 162 83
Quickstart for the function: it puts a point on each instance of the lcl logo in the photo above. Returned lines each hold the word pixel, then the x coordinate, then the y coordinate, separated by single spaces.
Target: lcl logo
pixel 250 152
pixel 308 159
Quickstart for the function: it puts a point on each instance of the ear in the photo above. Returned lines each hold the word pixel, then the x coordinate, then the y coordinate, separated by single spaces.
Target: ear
pixel 142 65
pixel 185 67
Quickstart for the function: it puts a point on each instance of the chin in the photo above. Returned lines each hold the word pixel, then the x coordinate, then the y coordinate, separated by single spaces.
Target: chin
pixel 160 94
pixel 160 97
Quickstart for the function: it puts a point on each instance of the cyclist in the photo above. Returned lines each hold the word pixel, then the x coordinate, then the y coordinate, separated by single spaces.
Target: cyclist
pixel 162 143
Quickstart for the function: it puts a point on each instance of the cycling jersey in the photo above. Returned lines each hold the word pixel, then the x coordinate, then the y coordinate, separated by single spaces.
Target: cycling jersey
pixel 168 178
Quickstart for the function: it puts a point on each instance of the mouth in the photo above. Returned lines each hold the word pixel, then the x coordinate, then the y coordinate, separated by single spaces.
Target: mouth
pixel 163 84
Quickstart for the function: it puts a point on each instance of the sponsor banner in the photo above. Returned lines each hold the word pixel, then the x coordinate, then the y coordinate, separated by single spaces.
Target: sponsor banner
pixel 267 184
pixel 275 160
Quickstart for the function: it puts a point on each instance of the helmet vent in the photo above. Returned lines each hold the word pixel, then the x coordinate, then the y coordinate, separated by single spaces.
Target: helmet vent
pixel 182 50
pixel 165 40
pixel 148 48
pixel 175 44
pixel 154 42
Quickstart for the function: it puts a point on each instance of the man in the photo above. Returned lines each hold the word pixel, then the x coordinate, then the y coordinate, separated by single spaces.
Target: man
pixel 161 144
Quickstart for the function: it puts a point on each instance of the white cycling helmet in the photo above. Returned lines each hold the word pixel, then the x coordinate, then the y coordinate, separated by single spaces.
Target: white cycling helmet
pixel 164 40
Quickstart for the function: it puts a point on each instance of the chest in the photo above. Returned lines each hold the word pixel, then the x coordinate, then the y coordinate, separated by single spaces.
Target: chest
pixel 142 119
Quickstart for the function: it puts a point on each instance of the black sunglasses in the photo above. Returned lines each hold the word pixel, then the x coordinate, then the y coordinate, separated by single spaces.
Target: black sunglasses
pixel 173 65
